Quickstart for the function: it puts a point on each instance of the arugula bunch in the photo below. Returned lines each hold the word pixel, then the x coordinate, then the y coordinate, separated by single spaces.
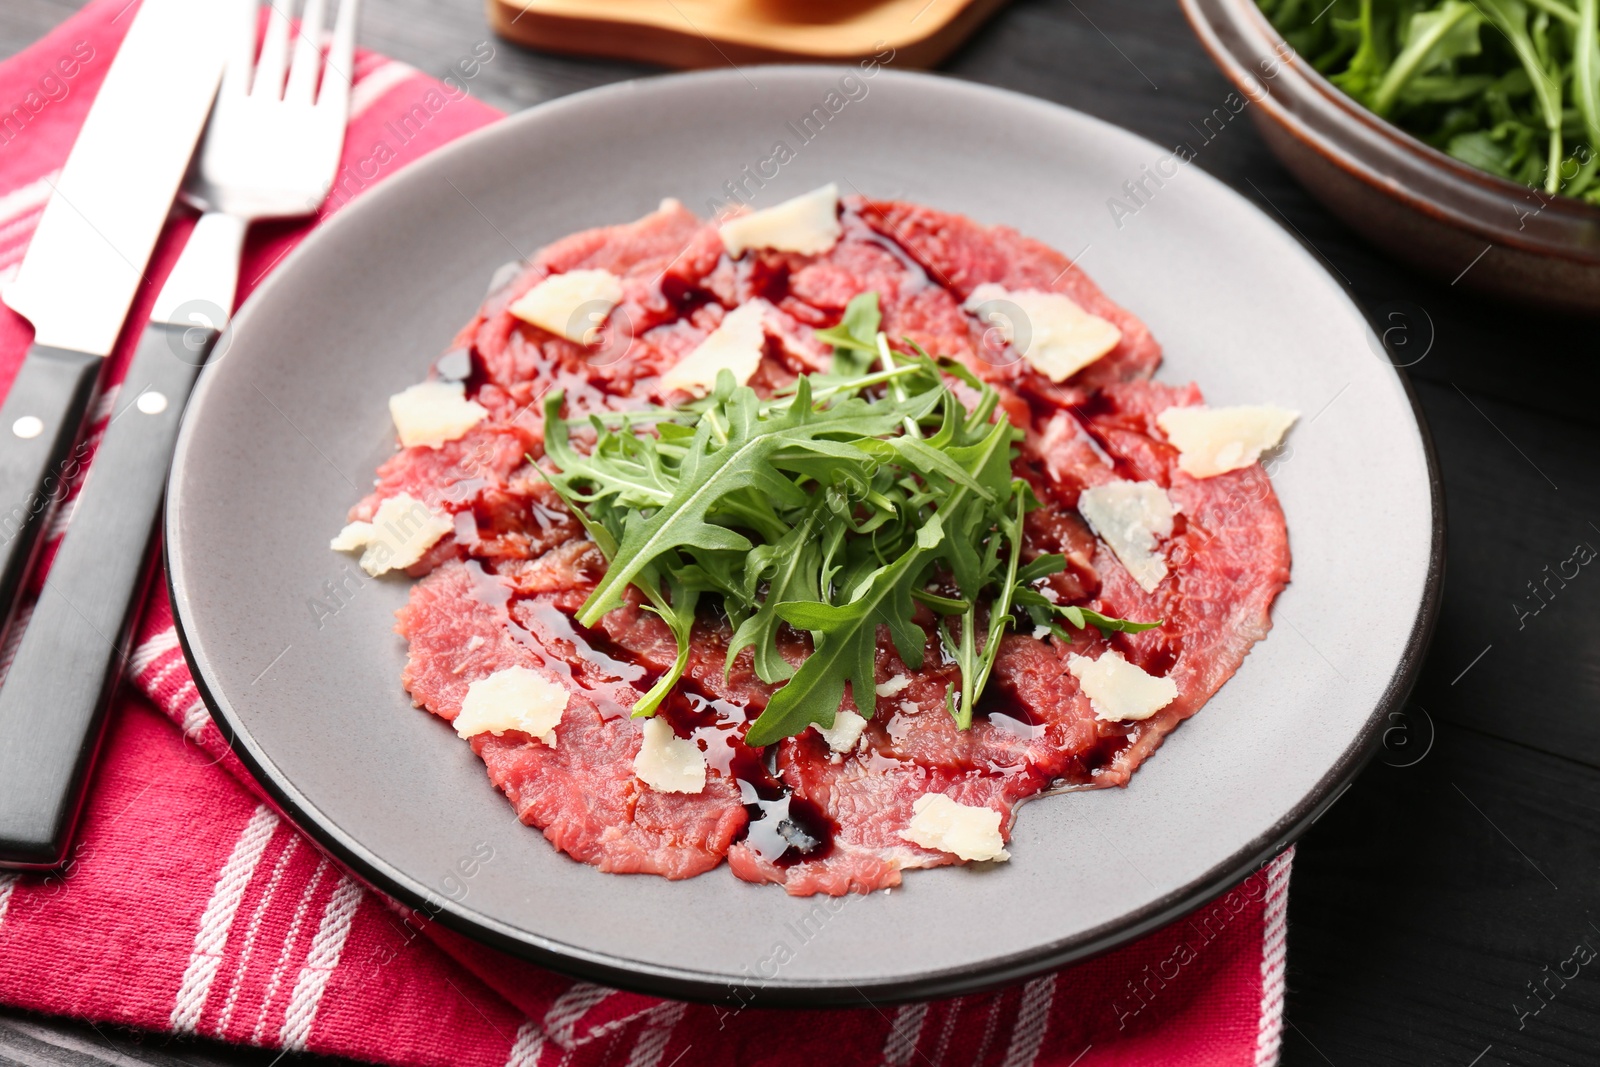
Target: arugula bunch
pixel 833 508
pixel 1508 86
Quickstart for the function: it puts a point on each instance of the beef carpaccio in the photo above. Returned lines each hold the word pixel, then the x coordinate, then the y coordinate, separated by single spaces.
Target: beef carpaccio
pixel 501 583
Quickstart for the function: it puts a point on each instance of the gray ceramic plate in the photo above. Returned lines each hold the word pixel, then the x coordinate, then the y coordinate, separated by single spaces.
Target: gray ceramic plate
pixel 288 426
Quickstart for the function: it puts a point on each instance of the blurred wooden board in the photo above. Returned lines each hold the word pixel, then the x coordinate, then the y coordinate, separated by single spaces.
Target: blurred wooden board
pixel 711 33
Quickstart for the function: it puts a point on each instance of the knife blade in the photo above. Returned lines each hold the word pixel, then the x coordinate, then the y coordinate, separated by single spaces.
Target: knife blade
pixel 82 271
pixel 87 257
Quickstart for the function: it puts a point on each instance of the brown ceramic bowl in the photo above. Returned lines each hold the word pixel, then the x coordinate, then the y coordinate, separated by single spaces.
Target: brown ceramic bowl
pixel 1451 220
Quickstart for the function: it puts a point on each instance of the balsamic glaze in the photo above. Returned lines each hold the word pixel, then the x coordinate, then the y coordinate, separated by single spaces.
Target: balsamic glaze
pixel 1104 752
pixel 596 653
pixel 492 590
pixel 788 830
pixel 1009 714
pixel 784 829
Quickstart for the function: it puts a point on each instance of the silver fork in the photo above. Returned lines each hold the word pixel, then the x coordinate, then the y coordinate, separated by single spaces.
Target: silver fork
pixel 271 151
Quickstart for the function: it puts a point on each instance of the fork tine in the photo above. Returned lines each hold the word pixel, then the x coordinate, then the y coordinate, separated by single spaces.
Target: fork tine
pixel 341 57
pixel 307 55
pixel 274 52
pixel 242 51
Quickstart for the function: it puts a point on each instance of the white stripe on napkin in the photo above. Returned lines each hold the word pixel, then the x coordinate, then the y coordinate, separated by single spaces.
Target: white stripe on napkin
pixel 527 1047
pixel 1269 1034
pixel 655 1034
pixel 370 89
pixel 212 937
pixel 562 1018
pixel 8 882
pixel 290 940
pixel 152 650
pixel 903 1035
pixel 26 198
pixel 1033 1019
pixel 321 962
pixel 253 931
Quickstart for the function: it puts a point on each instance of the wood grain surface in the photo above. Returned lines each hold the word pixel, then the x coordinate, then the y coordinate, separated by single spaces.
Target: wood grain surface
pixel 1466 858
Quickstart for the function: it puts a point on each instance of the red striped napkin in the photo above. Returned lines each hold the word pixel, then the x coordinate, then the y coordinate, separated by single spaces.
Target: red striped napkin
pixel 191 907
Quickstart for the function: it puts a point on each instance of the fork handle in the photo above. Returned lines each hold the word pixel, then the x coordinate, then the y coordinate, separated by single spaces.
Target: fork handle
pixel 206 276
pixel 76 646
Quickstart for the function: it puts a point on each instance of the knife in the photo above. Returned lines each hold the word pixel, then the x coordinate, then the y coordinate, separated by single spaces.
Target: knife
pixel 82 269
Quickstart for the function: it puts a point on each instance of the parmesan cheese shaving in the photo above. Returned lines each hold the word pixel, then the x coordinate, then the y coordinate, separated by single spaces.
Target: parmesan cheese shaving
pixel 555 303
pixel 431 413
pixel 809 224
pixel 1054 336
pixel 894 686
pixel 1118 690
pixel 735 345
pixel 845 731
pixel 515 698
pixel 1129 517
pixel 668 763
pixel 1212 441
pixel 354 536
pixel 401 531
pixel 964 830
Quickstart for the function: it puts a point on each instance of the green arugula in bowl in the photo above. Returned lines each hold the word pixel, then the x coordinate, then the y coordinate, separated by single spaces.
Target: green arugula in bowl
pixel 1511 87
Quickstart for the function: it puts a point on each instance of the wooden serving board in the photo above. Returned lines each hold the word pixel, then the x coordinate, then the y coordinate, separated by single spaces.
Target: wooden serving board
pixel 711 33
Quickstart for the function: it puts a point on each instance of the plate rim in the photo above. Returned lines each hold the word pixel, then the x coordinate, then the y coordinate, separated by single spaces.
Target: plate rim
pixel 708 987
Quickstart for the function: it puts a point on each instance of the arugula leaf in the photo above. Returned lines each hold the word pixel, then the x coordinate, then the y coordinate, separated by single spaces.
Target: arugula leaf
pixel 1042 567
pixel 793 568
pixel 1434 37
pixel 678 613
pixel 975 668
pixel 1586 69
pixel 1366 67
pixel 855 339
pixel 846 651
pixel 1082 618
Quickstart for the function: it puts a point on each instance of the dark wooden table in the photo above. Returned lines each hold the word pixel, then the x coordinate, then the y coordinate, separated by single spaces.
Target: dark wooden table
pixel 1463 866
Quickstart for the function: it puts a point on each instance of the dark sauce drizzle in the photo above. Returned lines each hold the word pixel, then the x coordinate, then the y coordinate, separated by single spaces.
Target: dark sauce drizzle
pixel 784 829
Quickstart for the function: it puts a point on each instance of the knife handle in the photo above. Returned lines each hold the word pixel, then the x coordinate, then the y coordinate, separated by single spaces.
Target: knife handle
pixel 54 699
pixel 39 423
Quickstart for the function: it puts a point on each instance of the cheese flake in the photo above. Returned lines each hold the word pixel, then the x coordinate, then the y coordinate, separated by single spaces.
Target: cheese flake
pixel 555 303
pixel 1055 336
pixel 1212 441
pixel 668 763
pixel 354 536
pixel 809 224
pixel 1129 517
pixel 845 731
pixel 515 698
pixel 1120 691
pixel 401 530
pixel 964 830
pixel 894 686
pixel 736 345
pixel 431 413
